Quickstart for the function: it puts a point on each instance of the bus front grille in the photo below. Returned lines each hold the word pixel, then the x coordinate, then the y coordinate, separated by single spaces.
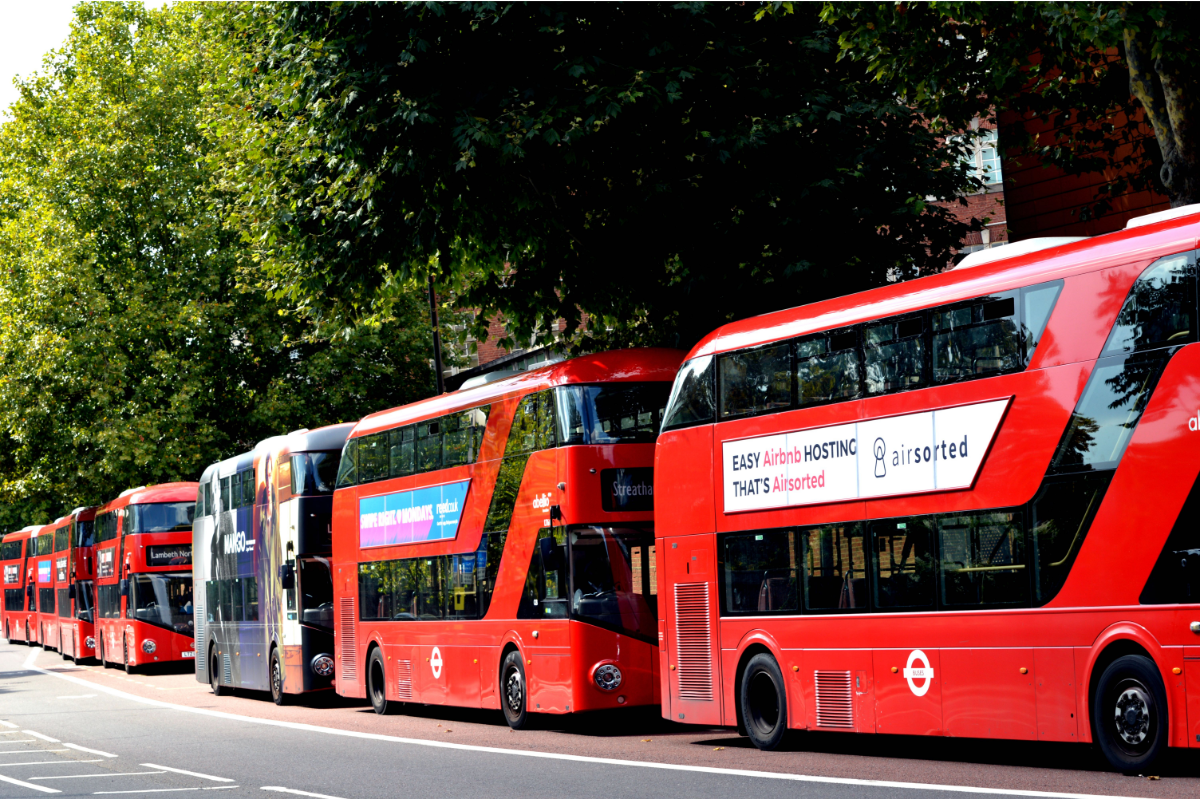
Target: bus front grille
pixel 693 641
pixel 348 654
pixel 835 699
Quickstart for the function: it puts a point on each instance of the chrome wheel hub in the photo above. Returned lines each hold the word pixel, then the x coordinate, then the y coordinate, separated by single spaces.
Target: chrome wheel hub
pixel 514 693
pixel 1132 715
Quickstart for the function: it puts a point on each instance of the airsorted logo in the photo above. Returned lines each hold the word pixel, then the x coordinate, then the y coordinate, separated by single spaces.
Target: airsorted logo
pixel 929 451
pixel 1194 423
pixel 922 675
pixel 627 489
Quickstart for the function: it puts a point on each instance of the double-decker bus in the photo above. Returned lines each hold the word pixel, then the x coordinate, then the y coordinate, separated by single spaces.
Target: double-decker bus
pixel 19 613
pixel 964 505
pixel 44 595
pixel 143 547
pixel 262 546
pixel 73 584
pixel 494 547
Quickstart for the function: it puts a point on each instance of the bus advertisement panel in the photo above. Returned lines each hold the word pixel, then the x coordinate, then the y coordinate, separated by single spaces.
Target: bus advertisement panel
pixel 143 607
pixel 262 545
pixel 922 509
pixel 494 547
pixel 19 614
pixel 73 585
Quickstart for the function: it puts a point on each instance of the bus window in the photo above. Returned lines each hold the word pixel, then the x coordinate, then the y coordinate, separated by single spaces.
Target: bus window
pixel 546 583
pixel 316 593
pixel 691 401
pixel 373 458
pixel 314 473
pixel 64 602
pixel 348 466
pixel 83 600
pixel 62 539
pixel 978 339
pixel 429 446
pixel 163 599
pixel 759 573
pixel 46 600
pixel 827 368
pixel 402 451
pixel 1036 304
pixel 1176 575
pixel 983 560
pixel 160 517
pixel 835 568
pixel 523 436
pixel 603 589
pixel 1063 510
pixel 894 355
pixel 85 532
pixel 1159 310
pixel 903 563
pixel 456 440
pixel 250 595
pixel 108 601
pixel 755 381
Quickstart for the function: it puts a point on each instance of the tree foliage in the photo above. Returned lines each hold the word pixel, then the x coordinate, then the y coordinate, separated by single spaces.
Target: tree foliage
pixel 662 167
pixel 128 354
pixel 1074 67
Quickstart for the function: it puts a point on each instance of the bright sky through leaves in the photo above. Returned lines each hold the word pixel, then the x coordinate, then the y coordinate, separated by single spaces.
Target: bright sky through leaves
pixel 30 30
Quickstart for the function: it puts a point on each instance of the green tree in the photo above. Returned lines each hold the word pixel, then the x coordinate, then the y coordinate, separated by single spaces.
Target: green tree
pixel 1073 67
pixel 128 354
pixel 661 167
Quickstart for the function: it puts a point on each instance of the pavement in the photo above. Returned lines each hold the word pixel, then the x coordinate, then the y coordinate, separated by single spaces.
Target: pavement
pixel 85 730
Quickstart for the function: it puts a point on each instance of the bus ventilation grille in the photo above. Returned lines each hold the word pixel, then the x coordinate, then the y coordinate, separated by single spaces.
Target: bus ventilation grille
pixel 835 699
pixel 693 641
pixel 201 647
pixel 348 656
pixel 228 669
pixel 404 679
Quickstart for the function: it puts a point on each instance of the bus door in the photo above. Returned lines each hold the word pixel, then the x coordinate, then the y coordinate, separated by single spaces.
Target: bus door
pixel 1191 676
pixel 692 657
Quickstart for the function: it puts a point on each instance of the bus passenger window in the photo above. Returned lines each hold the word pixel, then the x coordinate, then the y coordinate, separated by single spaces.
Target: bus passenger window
pixel 402 451
pixel 827 368
pixel 429 446
pixel 226 494
pixel 691 401
pixel 756 381
pixel 977 339
pixel 1176 575
pixel 523 436
pixel 903 563
pixel 1036 304
pixel 1063 510
pixel 250 607
pixel 456 440
pixel 348 466
pixel 983 560
pixel 894 355
pixel 478 420
pixel 547 581
pixel 759 573
pixel 1160 309
pixel 546 434
pixel 373 458
pixel 835 568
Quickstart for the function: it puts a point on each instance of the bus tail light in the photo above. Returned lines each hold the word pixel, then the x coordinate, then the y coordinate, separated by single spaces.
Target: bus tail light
pixel 322 665
pixel 149 646
pixel 607 676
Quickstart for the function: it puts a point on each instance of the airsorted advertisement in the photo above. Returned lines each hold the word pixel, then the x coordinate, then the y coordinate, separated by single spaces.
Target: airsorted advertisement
pixel 925 452
pixel 421 515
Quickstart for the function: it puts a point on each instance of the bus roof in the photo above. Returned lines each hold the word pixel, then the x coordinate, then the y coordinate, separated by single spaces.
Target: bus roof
pixel 641 364
pixel 1141 240
pixel 328 437
pixel 159 493
pixel 24 533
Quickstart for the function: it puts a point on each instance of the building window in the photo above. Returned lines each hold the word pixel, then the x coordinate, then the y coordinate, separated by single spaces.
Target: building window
pixel 987 158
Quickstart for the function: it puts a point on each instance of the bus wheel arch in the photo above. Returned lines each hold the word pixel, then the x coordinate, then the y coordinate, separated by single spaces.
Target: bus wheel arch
pixel 760 658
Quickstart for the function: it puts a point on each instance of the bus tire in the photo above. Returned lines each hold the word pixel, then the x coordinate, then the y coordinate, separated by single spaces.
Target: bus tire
pixel 214 672
pixel 514 700
pixel 277 695
pixel 764 702
pixel 1130 714
pixel 377 682
pixel 129 668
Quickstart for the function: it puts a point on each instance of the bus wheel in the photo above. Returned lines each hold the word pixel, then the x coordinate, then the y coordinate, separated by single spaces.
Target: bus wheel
pixel 1130 714
pixel 129 668
pixel 277 695
pixel 28 638
pixel 377 682
pixel 764 702
pixel 512 689
pixel 214 672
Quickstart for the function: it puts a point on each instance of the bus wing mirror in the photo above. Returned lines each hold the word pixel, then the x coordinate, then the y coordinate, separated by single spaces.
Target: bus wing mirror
pixel 556 513
pixel 287 576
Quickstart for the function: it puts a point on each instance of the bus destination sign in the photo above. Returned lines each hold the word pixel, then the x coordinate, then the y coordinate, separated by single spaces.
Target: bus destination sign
pixel 420 515
pixel 925 452
pixel 168 555
pixel 628 489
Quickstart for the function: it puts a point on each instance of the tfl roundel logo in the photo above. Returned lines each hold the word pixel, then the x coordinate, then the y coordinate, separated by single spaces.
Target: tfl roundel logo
pixel 916 674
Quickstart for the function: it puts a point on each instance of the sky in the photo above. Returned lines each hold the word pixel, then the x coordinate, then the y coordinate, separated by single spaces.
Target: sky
pixel 31 29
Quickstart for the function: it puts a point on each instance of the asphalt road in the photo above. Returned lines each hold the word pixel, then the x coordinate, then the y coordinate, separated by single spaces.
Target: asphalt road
pixel 75 731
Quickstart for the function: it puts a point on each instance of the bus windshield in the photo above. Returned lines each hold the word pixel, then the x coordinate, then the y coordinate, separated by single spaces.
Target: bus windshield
pixel 314 473
pixel 316 593
pixel 163 599
pixel 83 601
pixel 613 580
pixel 611 413
pixel 161 517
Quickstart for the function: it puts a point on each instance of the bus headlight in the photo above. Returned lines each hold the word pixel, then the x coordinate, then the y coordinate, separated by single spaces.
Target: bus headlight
pixel 149 646
pixel 322 665
pixel 91 643
pixel 607 677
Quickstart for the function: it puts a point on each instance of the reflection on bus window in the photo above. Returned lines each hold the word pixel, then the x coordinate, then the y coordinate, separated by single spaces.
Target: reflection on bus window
pixel 163 599
pixel 691 401
pixel 755 381
pixel 827 368
pixel 760 573
pixel 316 592
pixel 977 339
pixel 835 568
pixel 160 517
pixel 314 473
pixel 606 590
pixel 903 563
pixel 983 560
pixel 1159 309
pixel 894 355
pixel 83 601
pixel 614 413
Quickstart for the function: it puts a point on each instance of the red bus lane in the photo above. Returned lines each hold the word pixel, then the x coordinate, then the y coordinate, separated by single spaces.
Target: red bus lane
pixel 493 547
pixel 965 506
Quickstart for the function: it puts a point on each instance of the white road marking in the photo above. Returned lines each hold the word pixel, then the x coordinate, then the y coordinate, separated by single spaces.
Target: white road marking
pixel 25 785
pixel 297 791
pixel 56 761
pixel 89 750
pixel 42 736
pixel 188 789
pixel 16 741
pixel 616 762
pixel 15 752
pixel 8 724
pixel 74 696
pixel 93 775
pixel 193 774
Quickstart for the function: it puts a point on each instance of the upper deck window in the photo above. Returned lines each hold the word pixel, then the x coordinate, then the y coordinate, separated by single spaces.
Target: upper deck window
pixel 83 532
pixel 314 473
pixel 160 517
pixel 827 368
pixel 755 381
pixel 10 551
pixel 894 355
pixel 62 539
pixel 1160 309
pixel 612 413
pixel 691 401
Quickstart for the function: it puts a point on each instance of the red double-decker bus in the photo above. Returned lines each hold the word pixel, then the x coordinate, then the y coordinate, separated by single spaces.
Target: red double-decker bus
pixel 143 546
pixel 494 548
pixel 20 611
pixel 964 505
pixel 42 574
pixel 74 591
